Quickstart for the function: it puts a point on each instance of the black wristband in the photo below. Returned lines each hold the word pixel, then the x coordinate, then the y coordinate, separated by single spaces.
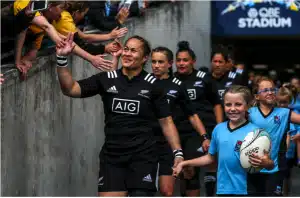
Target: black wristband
pixel 178 153
pixel 205 136
pixel 61 61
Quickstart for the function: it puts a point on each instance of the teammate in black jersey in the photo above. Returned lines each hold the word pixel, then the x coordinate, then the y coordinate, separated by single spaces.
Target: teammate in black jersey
pixel 178 99
pixel 205 100
pixel 223 77
pixel 132 101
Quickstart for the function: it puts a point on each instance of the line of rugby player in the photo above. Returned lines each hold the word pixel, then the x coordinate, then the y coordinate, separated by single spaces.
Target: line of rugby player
pixel 193 101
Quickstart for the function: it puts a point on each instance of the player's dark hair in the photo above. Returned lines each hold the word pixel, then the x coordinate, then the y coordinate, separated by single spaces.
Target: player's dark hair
pixel 184 46
pixel 169 55
pixel 220 49
pixel 146 44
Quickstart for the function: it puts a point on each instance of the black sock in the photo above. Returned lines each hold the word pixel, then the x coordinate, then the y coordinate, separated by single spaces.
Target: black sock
pixel 210 183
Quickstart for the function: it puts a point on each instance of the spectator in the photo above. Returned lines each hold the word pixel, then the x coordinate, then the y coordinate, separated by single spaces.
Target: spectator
pixel 40 24
pixel 73 15
pixel 67 23
pixel 1 79
pixel 100 20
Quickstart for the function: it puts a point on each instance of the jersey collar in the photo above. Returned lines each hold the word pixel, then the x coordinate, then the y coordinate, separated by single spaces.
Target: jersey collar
pixel 265 116
pixel 138 77
pixel 185 77
pixel 232 130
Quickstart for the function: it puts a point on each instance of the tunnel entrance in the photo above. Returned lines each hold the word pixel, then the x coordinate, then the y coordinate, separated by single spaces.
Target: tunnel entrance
pixel 264 54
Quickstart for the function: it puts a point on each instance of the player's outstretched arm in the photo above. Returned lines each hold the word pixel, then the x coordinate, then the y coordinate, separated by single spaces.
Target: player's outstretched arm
pixel 68 85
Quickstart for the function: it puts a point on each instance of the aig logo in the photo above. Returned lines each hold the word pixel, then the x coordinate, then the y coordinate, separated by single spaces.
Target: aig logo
pixel 192 93
pixel 126 106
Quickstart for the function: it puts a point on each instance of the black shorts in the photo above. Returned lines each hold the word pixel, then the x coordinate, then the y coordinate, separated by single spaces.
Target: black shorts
pixel 261 185
pixel 137 172
pixel 190 145
pixel 290 164
pixel 166 158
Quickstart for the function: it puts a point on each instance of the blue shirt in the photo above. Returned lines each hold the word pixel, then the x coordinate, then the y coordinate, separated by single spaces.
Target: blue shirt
pixel 294 129
pixel 232 177
pixel 276 124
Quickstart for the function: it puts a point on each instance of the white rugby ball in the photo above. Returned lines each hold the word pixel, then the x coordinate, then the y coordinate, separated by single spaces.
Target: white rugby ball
pixel 254 143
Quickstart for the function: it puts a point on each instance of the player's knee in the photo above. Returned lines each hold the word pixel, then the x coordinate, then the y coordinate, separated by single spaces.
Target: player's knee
pixel 167 191
pixel 141 193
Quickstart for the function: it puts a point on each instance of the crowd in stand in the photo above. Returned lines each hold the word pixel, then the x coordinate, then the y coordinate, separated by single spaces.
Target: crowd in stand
pixel 28 28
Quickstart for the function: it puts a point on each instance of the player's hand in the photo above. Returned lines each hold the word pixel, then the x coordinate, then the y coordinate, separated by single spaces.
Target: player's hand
pixel 261 162
pixel 177 160
pixel 205 145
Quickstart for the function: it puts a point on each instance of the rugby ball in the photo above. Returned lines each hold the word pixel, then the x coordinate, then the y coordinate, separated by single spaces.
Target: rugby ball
pixel 254 143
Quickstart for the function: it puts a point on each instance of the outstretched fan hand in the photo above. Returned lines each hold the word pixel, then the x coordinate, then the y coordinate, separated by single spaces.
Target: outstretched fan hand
pixel 67 47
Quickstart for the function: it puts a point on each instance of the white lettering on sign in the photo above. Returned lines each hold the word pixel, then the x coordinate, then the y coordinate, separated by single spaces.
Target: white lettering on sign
pixel 264 18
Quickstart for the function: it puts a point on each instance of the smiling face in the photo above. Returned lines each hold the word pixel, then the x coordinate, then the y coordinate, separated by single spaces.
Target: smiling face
pixel 235 106
pixel 133 54
pixel 266 93
pixel 184 63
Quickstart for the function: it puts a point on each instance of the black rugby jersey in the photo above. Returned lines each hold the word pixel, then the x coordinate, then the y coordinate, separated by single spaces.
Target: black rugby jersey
pixel 178 100
pixel 204 96
pixel 131 106
pixel 228 79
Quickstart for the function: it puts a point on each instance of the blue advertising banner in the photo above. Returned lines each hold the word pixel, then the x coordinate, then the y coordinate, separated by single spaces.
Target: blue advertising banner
pixel 256 17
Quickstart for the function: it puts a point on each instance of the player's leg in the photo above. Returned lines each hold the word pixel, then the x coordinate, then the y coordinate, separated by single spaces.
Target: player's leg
pixel 210 178
pixel 166 160
pixel 193 185
pixel 141 176
pixel 111 181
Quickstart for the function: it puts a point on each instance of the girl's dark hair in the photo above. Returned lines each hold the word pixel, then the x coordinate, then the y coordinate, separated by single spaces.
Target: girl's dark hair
pixel 220 49
pixel 56 3
pixel 74 6
pixel 169 55
pixel 184 46
pixel 146 44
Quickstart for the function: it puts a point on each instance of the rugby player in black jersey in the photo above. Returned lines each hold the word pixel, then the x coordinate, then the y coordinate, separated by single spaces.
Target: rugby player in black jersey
pixel 132 103
pixel 224 77
pixel 204 96
pixel 178 99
